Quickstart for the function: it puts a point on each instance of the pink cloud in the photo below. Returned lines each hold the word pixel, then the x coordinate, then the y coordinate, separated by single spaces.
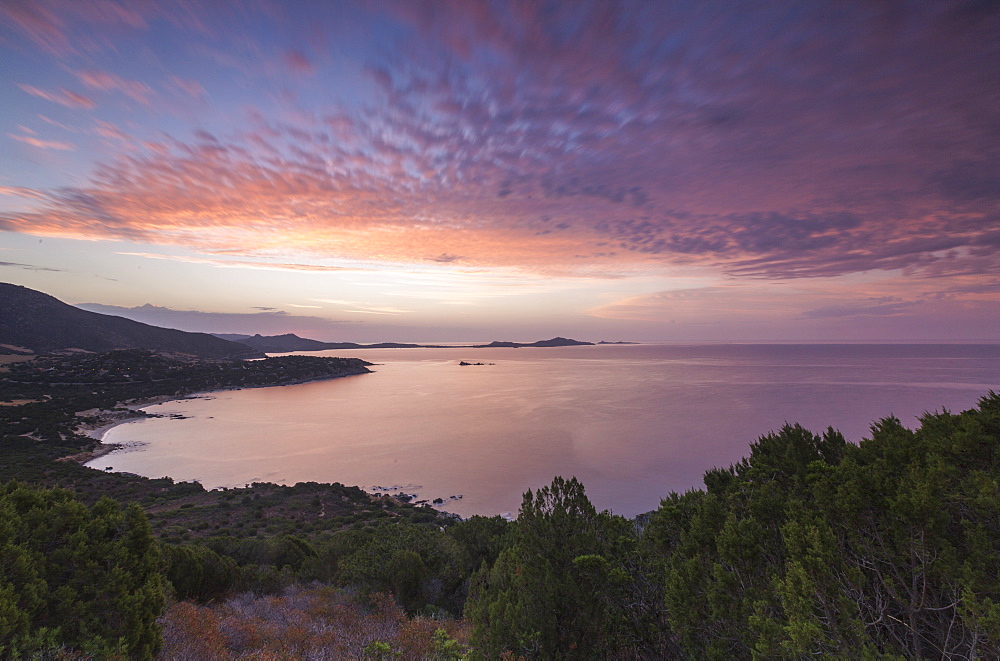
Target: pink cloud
pixel 40 24
pixel 107 82
pixel 233 264
pixel 589 138
pixel 43 144
pixel 190 87
pixel 418 193
pixel 63 97
pixel 20 191
pixel 68 28
pixel 53 122
pixel 827 310
pixel 298 62
pixel 110 131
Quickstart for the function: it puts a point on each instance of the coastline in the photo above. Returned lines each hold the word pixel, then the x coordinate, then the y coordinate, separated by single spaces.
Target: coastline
pixel 108 419
pixel 105 420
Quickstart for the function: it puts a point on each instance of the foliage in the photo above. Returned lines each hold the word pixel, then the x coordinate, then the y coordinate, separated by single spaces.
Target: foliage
pixel 76 577
pixel 814 547
pixel 481 540
pixel 555 591
pixel 197 572
pixel 421 566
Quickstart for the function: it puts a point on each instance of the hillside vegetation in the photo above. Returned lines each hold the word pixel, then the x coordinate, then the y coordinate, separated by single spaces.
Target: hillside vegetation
pixel 809 547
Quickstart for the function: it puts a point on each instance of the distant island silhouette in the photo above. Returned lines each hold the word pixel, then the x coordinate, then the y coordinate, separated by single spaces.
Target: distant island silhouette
pixel 33 322
pixel 291 342
pixel 554 342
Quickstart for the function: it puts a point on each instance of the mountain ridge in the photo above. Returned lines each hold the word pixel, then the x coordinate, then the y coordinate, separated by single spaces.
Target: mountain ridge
pixel 42 323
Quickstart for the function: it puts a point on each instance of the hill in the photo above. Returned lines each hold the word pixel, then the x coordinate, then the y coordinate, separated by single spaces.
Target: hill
pixel 281 343
pixel 43 323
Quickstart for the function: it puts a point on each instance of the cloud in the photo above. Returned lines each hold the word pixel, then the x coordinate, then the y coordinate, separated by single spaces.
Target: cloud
pixel 710 305
pixel 861 310
pixel 192 88
pixel 389 311
pixel 973 288
pixel 53 122
pixel 40 24
pixel 110 131
pixel 235 264
pixel 30 267
pixel 969 181
pixel 21 191
pixel 106 81
pixel 591 139
pixel 297 62
pixel 63 97
pixel 829 311
pixel 43 144
pixel 66 29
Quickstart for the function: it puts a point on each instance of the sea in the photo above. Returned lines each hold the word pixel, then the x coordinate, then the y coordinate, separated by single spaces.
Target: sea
pixel 633 422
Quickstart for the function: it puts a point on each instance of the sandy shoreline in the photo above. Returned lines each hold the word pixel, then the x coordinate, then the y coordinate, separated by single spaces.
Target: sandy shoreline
pixel 106 419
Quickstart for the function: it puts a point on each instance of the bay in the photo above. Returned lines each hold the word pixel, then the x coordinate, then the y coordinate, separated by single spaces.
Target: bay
pixel 632 422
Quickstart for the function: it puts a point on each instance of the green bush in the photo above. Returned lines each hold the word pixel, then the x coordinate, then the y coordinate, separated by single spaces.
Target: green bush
pixel 76 577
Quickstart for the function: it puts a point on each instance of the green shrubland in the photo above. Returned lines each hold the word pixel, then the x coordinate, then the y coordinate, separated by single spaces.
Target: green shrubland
pixel 76 577
pixel 809 547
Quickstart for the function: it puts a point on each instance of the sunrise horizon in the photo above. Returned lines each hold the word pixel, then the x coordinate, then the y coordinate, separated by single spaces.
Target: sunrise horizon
pixel 451 171
pixel 499 329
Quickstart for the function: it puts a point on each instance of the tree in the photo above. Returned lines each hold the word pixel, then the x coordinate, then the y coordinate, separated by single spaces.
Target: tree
pixel 76 577
pixel 724 547
pixel 915 521
pixel 543 596
pixel 481 539
pixel 419 565
pixel 197 572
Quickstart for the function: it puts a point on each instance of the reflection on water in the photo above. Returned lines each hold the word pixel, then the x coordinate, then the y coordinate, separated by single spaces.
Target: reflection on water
pixel 633 422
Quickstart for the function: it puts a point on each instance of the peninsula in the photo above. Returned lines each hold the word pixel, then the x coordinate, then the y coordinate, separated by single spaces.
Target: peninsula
pixel 60 398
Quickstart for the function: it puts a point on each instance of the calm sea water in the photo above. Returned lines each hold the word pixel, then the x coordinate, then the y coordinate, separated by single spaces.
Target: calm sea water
pixel 633 422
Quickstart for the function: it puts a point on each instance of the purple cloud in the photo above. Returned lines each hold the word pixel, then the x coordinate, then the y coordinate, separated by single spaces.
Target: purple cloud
pixel 783 141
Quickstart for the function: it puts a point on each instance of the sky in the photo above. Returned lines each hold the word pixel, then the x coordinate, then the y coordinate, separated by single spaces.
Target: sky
pixel 463 170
